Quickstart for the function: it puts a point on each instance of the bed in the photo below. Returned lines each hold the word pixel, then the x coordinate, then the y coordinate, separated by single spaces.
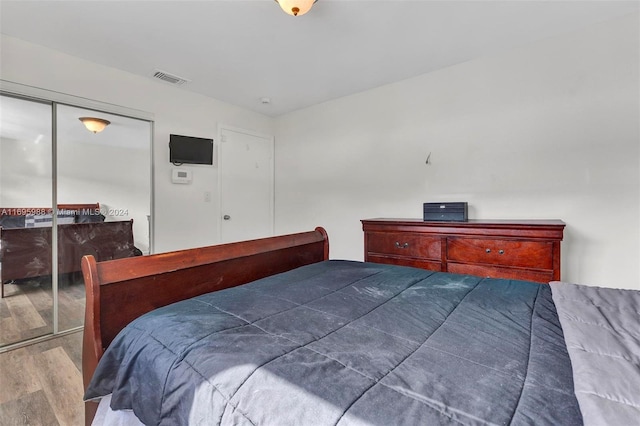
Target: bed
pixel 26 235
pixel 271 331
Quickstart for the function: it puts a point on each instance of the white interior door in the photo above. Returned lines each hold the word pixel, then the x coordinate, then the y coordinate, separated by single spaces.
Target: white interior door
pixel 246 185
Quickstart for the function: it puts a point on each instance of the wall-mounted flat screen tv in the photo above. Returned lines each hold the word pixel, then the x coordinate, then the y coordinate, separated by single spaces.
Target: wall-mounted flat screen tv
pixel 190 150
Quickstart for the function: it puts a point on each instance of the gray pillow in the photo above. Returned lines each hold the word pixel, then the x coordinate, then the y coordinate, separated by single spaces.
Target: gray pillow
pixel 9 222
pixel 89 218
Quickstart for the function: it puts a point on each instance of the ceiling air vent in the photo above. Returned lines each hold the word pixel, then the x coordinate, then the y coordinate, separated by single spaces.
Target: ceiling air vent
pixel 170 78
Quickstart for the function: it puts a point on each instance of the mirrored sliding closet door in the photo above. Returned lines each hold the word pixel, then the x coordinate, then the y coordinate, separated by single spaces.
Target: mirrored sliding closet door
pixel 95 168
pixel 26 194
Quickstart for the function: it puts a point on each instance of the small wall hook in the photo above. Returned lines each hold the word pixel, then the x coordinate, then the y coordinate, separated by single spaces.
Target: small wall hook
pixel 428 157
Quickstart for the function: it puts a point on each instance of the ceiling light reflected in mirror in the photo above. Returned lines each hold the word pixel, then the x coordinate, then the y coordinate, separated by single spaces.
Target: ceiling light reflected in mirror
pixel 93 124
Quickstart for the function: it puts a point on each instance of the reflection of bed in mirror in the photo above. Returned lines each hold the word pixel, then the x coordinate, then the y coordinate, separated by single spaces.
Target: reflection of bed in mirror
pixel 271 332
pixel 26 235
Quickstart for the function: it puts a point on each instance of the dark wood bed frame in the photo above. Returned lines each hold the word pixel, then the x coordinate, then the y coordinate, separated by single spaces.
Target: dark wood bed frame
pixel 27 252
pixel 119 291
pixel 20 211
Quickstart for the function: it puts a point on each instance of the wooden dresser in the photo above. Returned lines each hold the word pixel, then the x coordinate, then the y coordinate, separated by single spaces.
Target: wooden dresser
pixel 516 249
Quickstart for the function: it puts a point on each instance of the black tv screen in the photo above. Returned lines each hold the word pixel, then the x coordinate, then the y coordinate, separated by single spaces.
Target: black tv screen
pixel 190 150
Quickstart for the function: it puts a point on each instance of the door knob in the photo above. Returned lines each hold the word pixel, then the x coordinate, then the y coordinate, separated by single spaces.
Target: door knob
pixel 226 217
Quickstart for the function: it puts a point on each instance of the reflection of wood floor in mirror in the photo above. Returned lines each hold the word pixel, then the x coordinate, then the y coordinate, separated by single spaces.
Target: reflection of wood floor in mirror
pixel 26 311
pixel 42 383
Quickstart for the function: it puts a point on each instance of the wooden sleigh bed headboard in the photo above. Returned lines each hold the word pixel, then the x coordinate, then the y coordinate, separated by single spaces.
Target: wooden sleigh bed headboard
pixel 93 208
pixel 119 291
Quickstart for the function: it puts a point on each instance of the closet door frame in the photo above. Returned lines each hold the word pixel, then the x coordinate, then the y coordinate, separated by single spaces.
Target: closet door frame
pixel 29 93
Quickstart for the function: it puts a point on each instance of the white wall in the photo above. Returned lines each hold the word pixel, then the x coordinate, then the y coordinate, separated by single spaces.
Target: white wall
pixel 549 130
pixel 25 153
pixel 182 218
pixel 25 173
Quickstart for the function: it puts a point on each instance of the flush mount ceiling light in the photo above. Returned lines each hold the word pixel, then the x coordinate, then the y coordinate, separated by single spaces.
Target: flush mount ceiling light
pixel 296 7
pixel 94 124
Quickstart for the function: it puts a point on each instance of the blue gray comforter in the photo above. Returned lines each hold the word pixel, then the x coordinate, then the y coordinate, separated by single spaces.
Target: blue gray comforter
pixel 347 343
pixel 601 328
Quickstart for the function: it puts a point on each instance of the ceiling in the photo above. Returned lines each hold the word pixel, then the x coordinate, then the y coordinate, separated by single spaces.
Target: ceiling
pixel 241 51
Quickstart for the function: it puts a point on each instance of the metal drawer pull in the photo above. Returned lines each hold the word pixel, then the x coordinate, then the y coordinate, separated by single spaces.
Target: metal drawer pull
pixel 405 245
pixel 489 251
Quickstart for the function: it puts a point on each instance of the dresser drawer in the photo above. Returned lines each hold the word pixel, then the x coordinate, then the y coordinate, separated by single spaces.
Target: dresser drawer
pixel 404 244
pixel 523 254
pixel 430 265
pixel 501 272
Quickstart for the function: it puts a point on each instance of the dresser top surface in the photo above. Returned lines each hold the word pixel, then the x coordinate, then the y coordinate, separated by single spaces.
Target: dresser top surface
pixel 498 223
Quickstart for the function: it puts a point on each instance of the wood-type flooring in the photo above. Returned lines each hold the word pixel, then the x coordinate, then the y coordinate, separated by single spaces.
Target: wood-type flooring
pixel 26 311
pixel 41 384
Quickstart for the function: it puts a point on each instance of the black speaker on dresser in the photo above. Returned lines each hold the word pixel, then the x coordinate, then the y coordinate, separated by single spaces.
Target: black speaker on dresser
pixel 445 212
